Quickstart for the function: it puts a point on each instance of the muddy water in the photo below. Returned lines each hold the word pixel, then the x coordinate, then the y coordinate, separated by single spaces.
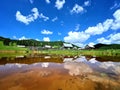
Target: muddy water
pixel 58 73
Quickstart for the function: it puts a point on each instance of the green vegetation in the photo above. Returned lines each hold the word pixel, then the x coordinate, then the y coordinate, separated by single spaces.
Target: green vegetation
pixel 110 52
pixel 98 52
pixel 1 43
pixel 10 46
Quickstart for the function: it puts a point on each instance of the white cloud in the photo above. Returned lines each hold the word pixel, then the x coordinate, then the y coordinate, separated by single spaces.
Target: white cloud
pixel 112 38
pixel 79 44
pixel 116 24
pixel 94 30
pixel 35 13
pixel 115 38
pixel 117 15
pixel 59 4
pixel 76 37
pixel 107 24
pixel 14 37
pixel 47 1
pixel 103 40
pixel 59 33
pixel 29 18
pixel 46 39
pixel 77 9
pixel 45 18
pixel 116 5
pixel 37 39
pixel 100 27
pixel 54 19
pixel 86 3
pixel 77 27
pixel 46 32
pixel 23 38
pixel 31 1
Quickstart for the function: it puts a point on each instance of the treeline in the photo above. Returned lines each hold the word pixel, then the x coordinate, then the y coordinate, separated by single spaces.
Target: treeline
pixel 30 42
pixel 107 46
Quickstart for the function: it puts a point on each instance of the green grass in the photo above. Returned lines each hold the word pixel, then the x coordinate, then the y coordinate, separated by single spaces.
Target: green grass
pixel 12 51
pixel 109 52
pixel 12 48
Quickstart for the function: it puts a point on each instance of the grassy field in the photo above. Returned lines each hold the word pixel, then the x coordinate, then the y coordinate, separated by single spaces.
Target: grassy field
pixel 12 48
pixel 109 52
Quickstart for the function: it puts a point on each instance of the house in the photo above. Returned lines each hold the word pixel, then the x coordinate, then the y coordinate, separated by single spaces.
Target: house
pixel 89 47
pixel 22 46
pixel 67 46
pixel 47 46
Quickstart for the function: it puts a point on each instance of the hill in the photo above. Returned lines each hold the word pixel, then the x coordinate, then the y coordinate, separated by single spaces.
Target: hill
pixel 32 42
pixel 107 46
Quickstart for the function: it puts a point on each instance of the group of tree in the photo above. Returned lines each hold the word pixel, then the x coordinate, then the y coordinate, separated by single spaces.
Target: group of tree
pixel 30 42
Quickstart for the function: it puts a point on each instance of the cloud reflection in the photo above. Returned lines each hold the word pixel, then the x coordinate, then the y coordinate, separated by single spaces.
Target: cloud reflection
pixel 45 65
pixel 77 68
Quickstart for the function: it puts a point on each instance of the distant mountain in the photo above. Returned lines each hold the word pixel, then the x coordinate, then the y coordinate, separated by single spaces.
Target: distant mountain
pixel 107 46
pixel 32 42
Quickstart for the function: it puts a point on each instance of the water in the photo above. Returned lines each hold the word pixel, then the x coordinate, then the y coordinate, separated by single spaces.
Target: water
pixel 44 72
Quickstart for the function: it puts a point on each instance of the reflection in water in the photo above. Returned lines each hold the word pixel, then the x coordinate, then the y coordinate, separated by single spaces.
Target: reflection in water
pixel 45 64
pixel 77 68
pixel 58 73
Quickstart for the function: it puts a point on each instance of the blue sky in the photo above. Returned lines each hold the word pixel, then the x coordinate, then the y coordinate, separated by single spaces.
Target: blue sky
pixel 77 21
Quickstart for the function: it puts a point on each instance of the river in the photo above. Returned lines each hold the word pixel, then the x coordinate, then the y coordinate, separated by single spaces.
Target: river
pixel 45 72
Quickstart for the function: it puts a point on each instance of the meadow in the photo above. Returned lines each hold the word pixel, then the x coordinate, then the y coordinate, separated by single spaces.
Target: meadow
pixel 109 52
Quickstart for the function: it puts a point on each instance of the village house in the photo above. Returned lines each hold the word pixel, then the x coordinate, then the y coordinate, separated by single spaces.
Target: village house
pixel 67 46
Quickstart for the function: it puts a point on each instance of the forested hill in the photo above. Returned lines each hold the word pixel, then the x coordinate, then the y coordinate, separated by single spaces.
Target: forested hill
pixel 107 46
pixel 31 42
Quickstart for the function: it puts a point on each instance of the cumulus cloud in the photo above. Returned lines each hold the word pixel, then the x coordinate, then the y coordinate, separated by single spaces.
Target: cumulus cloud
pixel 75 37
pixel 14 37
pixel 47 39
pixel 29 18
pixel 94 30
pixel 86 3
pixel 112 38
pixel 100 28
pixel 45 18
pixel 116 23
pixel 108 24
pixel 77 27
pixel 59 4
pixel 37 39
pixel 23 38
pixel 31 1
pixel 47 1
pixel 77 9
pixel 116 5
pixel 54 19
pixel 46 32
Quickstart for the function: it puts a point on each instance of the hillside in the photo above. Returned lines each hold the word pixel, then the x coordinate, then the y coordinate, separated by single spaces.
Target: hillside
pixel 107 46
pixel 32 42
